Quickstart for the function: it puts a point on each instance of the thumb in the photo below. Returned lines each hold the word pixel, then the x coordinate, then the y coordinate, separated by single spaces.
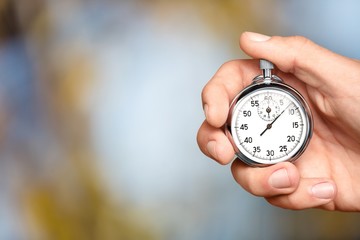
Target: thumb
pixel 309 62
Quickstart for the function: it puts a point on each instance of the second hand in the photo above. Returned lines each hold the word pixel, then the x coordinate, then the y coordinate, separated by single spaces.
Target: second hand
pixel 270 124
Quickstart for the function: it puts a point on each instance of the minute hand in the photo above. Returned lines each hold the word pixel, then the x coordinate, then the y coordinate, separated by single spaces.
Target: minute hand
pixel 270 124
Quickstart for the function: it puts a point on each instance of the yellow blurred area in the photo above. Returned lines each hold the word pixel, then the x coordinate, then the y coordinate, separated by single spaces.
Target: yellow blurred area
pixel 69 202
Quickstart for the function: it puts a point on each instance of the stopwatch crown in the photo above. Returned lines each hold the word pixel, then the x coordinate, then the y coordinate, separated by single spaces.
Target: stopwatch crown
pixel 265 64
pixel 266 67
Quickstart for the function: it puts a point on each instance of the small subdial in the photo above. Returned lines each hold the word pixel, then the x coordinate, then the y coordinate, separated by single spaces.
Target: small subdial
pixel 268 110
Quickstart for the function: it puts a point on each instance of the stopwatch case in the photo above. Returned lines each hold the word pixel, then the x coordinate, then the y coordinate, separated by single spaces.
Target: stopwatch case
pixel 260 83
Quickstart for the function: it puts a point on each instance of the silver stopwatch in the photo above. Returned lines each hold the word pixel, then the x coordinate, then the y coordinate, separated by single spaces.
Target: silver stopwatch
pixel 269 121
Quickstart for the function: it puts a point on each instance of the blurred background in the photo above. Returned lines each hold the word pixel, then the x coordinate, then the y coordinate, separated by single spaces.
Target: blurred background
pixel 99 109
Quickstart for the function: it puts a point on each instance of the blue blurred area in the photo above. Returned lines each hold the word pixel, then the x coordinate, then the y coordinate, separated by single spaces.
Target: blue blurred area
pixel 150 63
pixel 16 93
pixel 332 24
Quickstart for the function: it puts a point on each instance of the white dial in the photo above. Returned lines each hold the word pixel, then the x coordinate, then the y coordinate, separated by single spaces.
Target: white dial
pixel 269 125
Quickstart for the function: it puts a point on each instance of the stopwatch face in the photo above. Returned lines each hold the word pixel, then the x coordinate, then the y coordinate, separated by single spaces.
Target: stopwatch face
pixel 270 123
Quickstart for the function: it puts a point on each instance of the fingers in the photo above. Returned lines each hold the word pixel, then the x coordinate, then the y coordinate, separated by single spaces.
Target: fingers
pixel 228 81
pixel 282 186
pixel 214 144
pixel 282 178
pixel 217 95
pixel 216 101
pixel 308 61
pixel 311 193
pixel 314 65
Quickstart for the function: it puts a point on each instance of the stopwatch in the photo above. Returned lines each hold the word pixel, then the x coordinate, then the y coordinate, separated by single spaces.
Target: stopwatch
pixel 269 121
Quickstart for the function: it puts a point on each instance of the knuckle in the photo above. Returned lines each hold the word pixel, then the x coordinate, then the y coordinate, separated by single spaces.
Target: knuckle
pixel 285 202
pixel 199 134
pixel 229 68
pixel 255 189
pixel 297 48
pixel 203 133
pixel 300 40
pixel 227 80
pixel 205 91
pixel 231 64
pixel 300 45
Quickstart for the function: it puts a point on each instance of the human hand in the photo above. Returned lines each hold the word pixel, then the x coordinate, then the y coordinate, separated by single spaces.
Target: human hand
pixel 327 174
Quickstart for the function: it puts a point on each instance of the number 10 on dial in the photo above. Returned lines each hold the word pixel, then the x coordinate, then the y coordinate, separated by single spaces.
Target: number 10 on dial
pixel 269 121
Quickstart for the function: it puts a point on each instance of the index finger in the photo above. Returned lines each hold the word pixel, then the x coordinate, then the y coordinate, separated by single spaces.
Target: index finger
pixel 228 81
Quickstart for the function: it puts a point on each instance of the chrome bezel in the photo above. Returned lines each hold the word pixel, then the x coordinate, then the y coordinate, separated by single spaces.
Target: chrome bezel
pixel 274 82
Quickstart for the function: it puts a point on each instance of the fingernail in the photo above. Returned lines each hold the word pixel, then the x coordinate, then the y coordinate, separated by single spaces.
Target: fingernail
pixel 280 179
pixel 323 190
pixel 211 147
pixel 206 108
pixel 257 37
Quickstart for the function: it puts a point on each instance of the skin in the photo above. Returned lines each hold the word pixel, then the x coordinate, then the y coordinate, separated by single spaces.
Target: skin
pixel 327 175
